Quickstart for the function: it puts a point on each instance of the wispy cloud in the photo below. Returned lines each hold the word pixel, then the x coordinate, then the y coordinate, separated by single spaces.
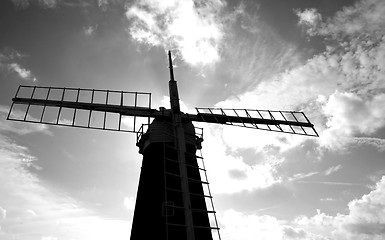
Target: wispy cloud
pixel 31 209
pixel 22 4
pixel 378 143
pixel 299 176
pixel 90 30
pixel 22 72
pixel 341 89
pixel 8 64
pixel 333 169
pixel 332 183
pixel 193 29
pixel 18 127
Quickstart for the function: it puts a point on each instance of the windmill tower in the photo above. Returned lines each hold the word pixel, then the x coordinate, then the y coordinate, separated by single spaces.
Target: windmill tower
pixel 173 199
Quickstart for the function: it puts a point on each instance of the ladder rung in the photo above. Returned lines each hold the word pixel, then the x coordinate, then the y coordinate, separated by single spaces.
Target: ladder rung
pixel 171 160
pixel 202 195
pixel 203 210
pixel 173 189
pixel 215 228
pixel 176 224
pixel 172 174
pixel 192 166
pixel 195 180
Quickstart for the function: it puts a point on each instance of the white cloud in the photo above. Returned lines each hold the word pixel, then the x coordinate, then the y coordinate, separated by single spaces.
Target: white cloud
pixel 129 203
pixel 19 127
pixel 367 215
pixel 300 176
pixel 365 220
pixel 341 90
pixel 349 114
pixel 193 28
pixel 3 212
pixel 43 3
pixel 236 225
pixel 333 169
pixel 378 143
pixel 309 18
pixel 22 72
pixel 230 174
pixel 365 16
pixel 49 238
pixel 26 196
pixel 89 31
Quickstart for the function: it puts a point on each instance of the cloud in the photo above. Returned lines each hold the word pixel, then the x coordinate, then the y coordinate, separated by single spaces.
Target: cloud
pixel 364 17
pixel 239 226
pixel 89 31
pixel 230 174
pixel 19 127
pixel 309 18
pixel 35 209
pixel 367 215
pixel 8 64
pixel 23 4
pixel 299 176
pixel 349 114
pixel 365 219
pixel 378 143
pixel 333 169
pixel 341 89
pixel 129 203
pixel 22 72
pixel 192 28
pixel 3 212
pixel 236 225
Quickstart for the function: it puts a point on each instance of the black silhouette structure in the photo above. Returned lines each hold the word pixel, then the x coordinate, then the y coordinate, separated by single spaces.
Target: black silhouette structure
pixel 173 200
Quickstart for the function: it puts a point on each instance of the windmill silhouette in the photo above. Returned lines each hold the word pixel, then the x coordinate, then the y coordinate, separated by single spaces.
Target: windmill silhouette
pixel 173 199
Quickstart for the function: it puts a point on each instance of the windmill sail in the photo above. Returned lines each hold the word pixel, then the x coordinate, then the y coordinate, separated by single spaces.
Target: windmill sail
pixel 293 122
pixel 84 108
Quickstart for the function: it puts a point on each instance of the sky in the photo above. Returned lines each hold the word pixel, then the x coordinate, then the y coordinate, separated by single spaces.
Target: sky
pixel 324 57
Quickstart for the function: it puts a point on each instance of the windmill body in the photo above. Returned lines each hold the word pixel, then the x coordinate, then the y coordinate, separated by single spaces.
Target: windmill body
pixel 174 199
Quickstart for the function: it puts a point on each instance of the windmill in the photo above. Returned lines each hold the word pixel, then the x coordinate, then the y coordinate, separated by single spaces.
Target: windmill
pixel 173 199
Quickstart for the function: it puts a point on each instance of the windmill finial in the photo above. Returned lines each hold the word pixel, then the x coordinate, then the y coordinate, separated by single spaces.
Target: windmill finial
pixel 170 66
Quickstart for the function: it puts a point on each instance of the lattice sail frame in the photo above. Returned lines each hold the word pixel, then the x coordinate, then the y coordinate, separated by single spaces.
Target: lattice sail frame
pixel 81 107
pixel 293 122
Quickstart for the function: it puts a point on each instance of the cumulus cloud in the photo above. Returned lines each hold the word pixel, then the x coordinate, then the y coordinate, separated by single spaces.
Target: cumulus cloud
pixel 349 114
pixel 191 27
pixel 365 219
pixel 309 18
pixel 230 173
pixel 367 215
pixel 341 89
pixel 240 226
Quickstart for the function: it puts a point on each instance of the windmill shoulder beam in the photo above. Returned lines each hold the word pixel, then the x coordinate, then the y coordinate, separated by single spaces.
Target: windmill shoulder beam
pixel 226 119
pixel 123 110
